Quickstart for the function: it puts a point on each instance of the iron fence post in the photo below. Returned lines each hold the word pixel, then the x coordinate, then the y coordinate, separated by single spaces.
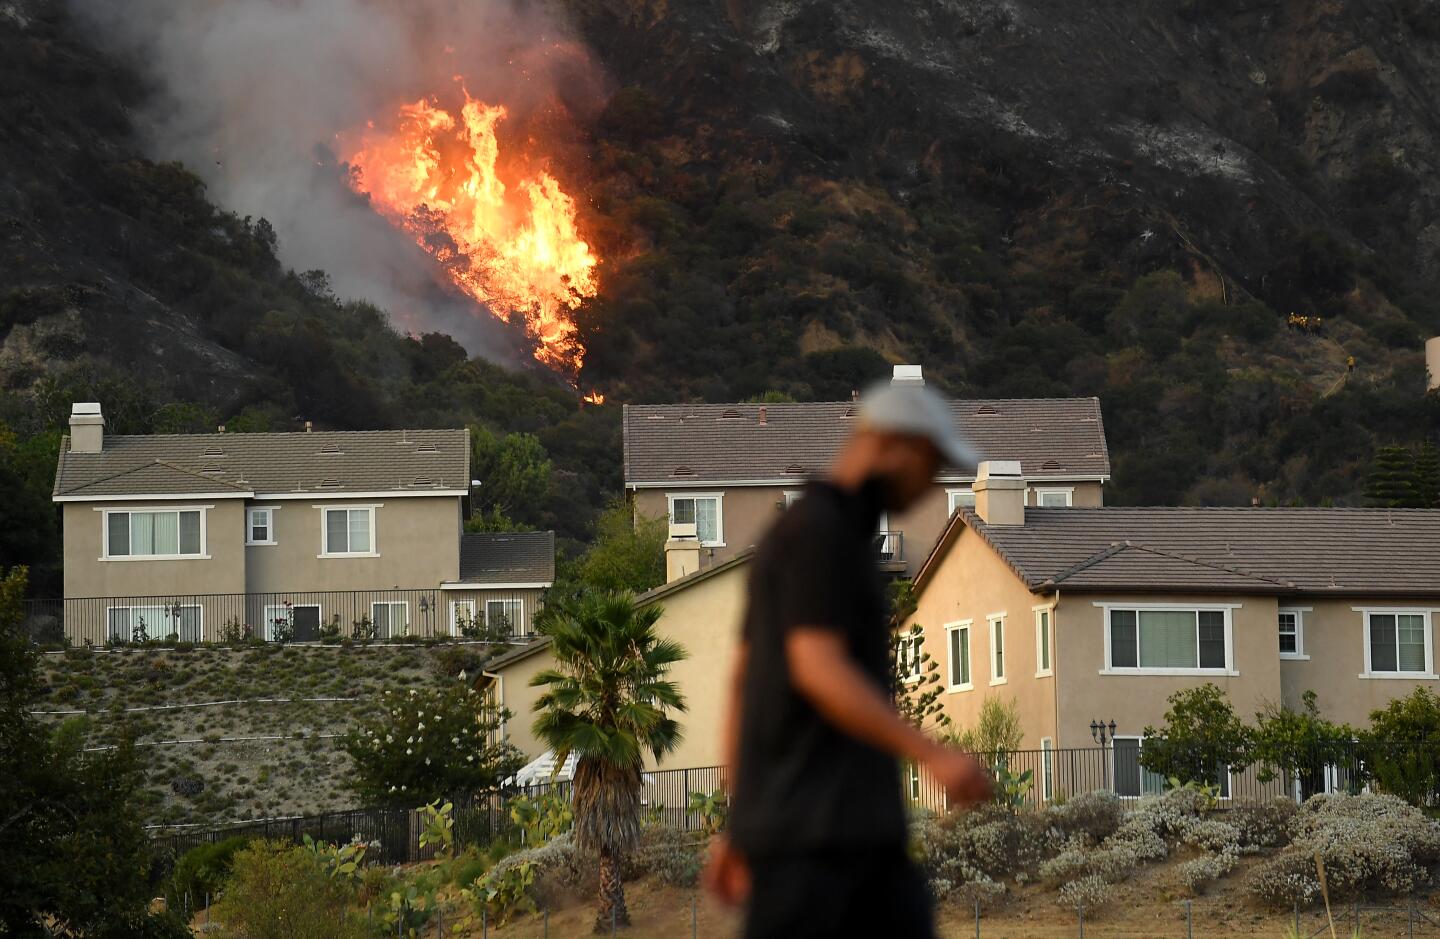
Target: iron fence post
pixel 1189 922
pixel 1080 910
pixel 1297 918
pixel 977 919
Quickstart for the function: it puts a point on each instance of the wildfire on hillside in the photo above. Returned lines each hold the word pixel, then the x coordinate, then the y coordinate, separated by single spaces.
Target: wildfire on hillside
pixel 504 233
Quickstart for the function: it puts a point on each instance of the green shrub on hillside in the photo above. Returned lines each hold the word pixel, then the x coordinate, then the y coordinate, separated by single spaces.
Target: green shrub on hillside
pixel 202 871
pixel 280 891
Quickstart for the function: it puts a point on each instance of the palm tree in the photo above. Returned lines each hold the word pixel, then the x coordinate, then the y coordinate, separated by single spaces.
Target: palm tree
pixel 607 699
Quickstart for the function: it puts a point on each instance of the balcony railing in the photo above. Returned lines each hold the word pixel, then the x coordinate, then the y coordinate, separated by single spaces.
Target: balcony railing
pixel 890 547
pixel 287 616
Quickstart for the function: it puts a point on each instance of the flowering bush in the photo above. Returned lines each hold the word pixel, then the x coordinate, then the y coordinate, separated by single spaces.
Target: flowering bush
pixel 1263 824
pixel 1094 815
pixel 1196 874
pixel 1369 844
pixel 1085 893
pixel 426 745
pixel 674 856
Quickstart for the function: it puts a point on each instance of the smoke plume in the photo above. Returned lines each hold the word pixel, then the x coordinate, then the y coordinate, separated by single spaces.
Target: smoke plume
pixel 251 95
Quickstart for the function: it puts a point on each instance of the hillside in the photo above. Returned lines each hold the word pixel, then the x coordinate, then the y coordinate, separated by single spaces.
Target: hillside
pixel 1026 196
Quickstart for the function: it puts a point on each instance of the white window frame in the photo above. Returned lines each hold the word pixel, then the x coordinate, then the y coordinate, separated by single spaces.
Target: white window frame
pixel 155 606
pixel 325 511
pixel 912 780
pixel 105 514
pixel 1429 673
pixel 1041 491
pixel 319 615
pixel 269 512
pixel 962 626
pixel 908 651
pixel 1047 769
pixel 996 622
pixel 1045 643
pixel 1299 612
pixel 1227 608
pixel 791 496
pixel 375 621
pixel 1115 766
pixel 455 606
pixel 952 494
pixel 719 497
pixel 518 628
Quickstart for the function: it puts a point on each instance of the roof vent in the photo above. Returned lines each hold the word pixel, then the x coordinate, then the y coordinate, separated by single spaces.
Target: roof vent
pixel 423 481
pixel 731 414
pixel 212 468
pixel 427 448
pixel 987 409
pixel 1051 465
pixel 794 469
pixel 329 482
pixel 683 471
pixel 654 417
pixel 331 449
pixel 212 450
pixel 852 411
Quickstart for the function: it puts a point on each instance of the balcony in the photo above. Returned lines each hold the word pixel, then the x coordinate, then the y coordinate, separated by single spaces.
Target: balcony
pixel 890 550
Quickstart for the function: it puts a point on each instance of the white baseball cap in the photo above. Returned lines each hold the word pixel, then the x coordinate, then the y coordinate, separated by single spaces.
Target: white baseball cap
pixel 916 411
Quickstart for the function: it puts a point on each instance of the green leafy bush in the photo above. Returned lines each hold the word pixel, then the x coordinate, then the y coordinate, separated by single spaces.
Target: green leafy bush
pixel 280 891
pixel 1201 736
pixel 505 890
pixel 202 871
pixel 675 857
pixel 1404 742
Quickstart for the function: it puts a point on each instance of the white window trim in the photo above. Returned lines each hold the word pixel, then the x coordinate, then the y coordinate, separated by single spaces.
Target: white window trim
pixel 269 511
pixel 374 551
pixel 789 496
pixel 955 627
pixel 1047 780
pixel 994 620
pixel 455 605
pixel 520 628
pixel 1067 491
pixel 1049 611
pixel 391 603
pixel 105 514
pixel 319 614
pixel 1228 609
pixel 719 498
pixel 1429 673
pixel 183 606
pixel 950 495
pixel 1299 654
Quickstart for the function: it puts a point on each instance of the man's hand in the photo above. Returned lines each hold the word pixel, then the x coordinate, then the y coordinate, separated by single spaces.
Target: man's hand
pixel 966 782
pixel 727 876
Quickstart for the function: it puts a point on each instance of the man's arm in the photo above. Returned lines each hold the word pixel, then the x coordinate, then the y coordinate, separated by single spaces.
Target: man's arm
pixel 821 669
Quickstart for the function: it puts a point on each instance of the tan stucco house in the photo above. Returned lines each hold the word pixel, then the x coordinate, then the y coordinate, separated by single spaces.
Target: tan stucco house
pixel 201 536
pixel 702 611
pixel 721 472
pixel 1099 614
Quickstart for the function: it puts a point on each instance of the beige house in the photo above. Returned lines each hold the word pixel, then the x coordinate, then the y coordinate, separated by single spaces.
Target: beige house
pixel 702 611
pixel 1099 614
pixel 721 472
pixel 204 536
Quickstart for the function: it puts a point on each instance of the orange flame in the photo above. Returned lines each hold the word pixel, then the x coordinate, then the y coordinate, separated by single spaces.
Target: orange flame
pixel 517 250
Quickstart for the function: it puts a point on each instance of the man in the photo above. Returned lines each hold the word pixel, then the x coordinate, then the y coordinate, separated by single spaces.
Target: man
pixel 817 827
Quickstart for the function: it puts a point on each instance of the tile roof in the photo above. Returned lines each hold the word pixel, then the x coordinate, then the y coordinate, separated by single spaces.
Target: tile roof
pixel 1311 551
pixel 515 655
pixel 325 462
pixel 525 557
pixel 1057 438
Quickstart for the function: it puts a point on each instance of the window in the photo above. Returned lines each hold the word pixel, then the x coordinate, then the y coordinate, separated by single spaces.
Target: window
pixel 1169 640
pixel 792 496
pixel 462 616
pixel 702 511
pixel 958 637
pixel 1131 779
pixel 1054 498
pixel 391 618
pixel 908 657
pixel 1042 643
pixel 997 649
pixel 164 534
pixel 1047 768
pixel 141 623
pixel 1292 633
pixel 1397 643
pixel 959 497
pixel 260 526
pixel 912 780
pixel 506 616
pixel 349 531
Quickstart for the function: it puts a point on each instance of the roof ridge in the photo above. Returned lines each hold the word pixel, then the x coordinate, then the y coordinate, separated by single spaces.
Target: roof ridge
pixel 1215 565
pixel 1104 554
pixel 146 465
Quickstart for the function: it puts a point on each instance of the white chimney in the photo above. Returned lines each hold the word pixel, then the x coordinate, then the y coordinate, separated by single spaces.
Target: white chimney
pixel 907 375
pixel 87 427
pixel 1000 493
pixel 682 551
pixel 1432 363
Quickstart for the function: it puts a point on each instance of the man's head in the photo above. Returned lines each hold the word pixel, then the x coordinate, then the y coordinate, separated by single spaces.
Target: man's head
pixel 905 435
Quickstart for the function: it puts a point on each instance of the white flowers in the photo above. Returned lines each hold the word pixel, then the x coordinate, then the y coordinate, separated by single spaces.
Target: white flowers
pixel 470 758
pixel 408 751
pixel 410 739
pixel 427 761
pixel 455 741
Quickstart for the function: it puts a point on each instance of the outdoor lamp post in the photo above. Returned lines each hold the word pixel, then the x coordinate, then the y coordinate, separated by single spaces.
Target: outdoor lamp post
pixel 1103 733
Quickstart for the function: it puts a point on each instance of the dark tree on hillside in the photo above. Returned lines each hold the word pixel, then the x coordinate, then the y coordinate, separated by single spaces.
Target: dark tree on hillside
pixel 1391 483
pixel 1427 475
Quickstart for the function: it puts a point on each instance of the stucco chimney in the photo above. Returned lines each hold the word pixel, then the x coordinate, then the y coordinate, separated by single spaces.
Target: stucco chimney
pixel 87 427
pixel 1432 363
pixel 907 375
pixel 682 551
pixel 1000 493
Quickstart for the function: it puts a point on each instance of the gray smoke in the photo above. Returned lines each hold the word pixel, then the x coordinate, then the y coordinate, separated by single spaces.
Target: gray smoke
pixel 250 95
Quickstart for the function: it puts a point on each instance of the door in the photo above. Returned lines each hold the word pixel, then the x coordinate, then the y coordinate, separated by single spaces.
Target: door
pixel 307 623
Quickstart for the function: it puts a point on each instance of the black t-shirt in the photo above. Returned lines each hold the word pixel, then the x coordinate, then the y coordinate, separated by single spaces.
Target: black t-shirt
pixel 803 785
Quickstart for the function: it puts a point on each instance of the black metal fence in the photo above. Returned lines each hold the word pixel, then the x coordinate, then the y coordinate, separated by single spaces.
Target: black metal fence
pixel 288 616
